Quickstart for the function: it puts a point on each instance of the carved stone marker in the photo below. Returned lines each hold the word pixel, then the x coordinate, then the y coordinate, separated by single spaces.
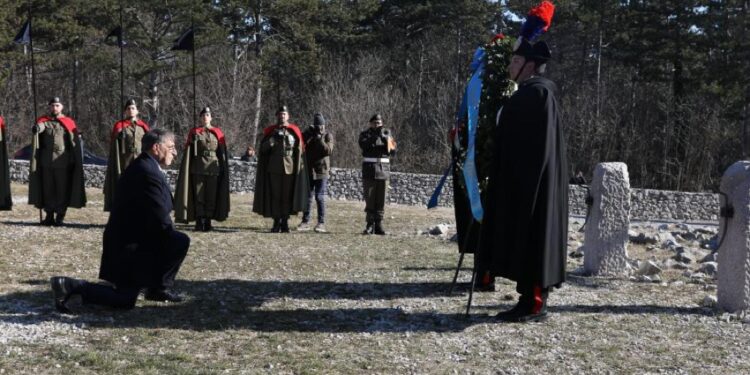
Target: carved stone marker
pixel 605 248
pixel 733 289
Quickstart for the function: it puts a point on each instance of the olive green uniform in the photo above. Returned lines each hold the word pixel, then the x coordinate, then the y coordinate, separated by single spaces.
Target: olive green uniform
pixel 125 147
pixel 375 170
pixel 56 171
pixel 280 170
pixel 204 170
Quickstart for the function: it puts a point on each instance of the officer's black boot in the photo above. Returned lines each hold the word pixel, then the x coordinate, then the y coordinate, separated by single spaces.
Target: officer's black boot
pixel 59 218
pixel 198 224
pixel 49 218
pixel 207 227
pixel 378 228
pixel 285 225
pixel 368 228
pixel 531 307
pixel 276 226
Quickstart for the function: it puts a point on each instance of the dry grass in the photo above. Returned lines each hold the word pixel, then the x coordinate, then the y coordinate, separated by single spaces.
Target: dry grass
pixel 338 303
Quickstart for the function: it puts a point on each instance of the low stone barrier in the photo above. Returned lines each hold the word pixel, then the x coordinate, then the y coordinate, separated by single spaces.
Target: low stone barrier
pixel 416 189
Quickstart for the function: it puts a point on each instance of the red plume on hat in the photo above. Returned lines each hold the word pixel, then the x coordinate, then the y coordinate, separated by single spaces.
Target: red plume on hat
pixel 537 21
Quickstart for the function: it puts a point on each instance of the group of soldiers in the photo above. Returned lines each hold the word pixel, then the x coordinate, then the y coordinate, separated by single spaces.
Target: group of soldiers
pixel 293 168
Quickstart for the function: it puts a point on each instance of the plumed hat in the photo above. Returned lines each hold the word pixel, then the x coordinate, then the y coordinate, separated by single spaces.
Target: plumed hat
pixel 537 23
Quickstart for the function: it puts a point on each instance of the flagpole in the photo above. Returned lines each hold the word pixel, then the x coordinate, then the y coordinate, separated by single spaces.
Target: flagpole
pixel 33 79
pixel 33 73
pixel 195 118
pixel 120 42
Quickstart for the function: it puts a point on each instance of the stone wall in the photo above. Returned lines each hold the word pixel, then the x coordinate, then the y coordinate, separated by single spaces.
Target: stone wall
pixel 416 189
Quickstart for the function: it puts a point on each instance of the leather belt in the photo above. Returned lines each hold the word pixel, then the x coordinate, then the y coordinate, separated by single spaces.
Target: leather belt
pixel 376 160
pixel 209 153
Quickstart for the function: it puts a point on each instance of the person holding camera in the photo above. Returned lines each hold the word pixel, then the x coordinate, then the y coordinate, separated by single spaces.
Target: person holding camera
pixel 281 182
pixel 378 145
pixel 318 147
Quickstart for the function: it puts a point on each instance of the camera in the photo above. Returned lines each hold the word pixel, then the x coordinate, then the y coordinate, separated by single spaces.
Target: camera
pixel 385 132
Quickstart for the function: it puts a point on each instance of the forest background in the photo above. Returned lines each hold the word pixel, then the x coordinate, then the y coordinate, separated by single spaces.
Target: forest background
pixel 660 85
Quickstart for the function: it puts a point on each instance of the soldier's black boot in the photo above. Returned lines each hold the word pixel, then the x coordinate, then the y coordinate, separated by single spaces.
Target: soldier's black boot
pixel 62 289
pixel 199 224
pixel 207 227
pixel 531 307
pixel 378 228
pixel 276 226
pixel 368 228
pixel 285 225
pixel 49 218
pixel 59 218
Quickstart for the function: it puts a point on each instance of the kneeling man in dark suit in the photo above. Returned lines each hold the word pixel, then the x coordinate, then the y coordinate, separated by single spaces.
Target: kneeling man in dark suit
pixel 141 248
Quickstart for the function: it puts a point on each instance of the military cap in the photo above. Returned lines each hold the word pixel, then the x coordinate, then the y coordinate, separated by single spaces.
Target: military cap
pixel 205 110
pixel 283 108
pixel 376 117
pixel 129 103
pixel 318 119
pixel 537 52
pixel 55 100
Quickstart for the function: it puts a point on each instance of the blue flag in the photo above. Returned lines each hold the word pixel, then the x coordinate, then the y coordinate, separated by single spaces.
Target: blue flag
pixel 470 107
pixel 24 36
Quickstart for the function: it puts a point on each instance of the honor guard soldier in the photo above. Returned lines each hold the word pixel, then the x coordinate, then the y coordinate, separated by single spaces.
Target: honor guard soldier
pixel 525 229
pixel 56 167
pixel 377 144
pixel 202 192
pixel 6 202
pixel 281 182
pixel 124 147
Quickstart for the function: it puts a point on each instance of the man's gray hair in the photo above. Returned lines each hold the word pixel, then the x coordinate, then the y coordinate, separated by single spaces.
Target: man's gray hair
pixel 153 137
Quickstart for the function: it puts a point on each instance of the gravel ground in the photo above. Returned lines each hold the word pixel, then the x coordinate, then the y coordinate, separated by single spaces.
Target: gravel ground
pixel 346 303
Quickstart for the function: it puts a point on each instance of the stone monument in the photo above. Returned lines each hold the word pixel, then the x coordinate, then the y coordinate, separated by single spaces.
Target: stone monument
pixel 733 289
pixel 605 247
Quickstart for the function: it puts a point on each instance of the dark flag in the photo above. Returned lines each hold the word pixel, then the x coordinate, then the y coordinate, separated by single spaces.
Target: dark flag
pixel 185 41
pixel 24 36
pixel 116 33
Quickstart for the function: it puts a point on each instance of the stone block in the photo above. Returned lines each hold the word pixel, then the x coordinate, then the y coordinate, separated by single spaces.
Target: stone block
pixel 606 236
pixel 733 281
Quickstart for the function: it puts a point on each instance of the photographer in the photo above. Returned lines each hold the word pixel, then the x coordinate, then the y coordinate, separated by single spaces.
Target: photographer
pixel 377 144
pixel 318 147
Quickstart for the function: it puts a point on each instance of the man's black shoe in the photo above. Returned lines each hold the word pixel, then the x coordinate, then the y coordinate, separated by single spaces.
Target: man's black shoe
pixel 49 219
pixel 523 312
pixel 161 295
pixel 199 224
pixel 207 227
pixel 59 218
pixel 62 289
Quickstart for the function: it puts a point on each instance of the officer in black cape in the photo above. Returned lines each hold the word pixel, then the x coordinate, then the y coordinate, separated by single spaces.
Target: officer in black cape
pixel 524 232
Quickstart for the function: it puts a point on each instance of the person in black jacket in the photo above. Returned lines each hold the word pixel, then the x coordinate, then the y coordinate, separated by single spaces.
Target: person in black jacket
pixel 378 145
pixel 141 248
pixel 525 228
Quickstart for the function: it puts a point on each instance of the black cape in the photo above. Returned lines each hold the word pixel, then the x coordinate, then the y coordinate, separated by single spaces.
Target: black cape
pixel 6 202
pixel 525 227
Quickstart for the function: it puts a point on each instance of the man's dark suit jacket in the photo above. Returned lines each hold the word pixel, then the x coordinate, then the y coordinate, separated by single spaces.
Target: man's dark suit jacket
pixel 139 226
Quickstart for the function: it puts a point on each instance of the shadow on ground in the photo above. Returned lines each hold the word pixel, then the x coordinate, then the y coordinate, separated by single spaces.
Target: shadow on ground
pixel 239 304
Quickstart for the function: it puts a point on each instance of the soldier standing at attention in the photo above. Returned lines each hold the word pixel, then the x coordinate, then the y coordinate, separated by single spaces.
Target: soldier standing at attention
pixel 125 145
pixel 6 202
pixel 377 146
pixel 281 184
pixel 202 192
pixel 56 167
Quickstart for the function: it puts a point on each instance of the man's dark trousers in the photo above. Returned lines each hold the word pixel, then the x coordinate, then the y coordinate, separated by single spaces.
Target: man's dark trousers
pixel 167 264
